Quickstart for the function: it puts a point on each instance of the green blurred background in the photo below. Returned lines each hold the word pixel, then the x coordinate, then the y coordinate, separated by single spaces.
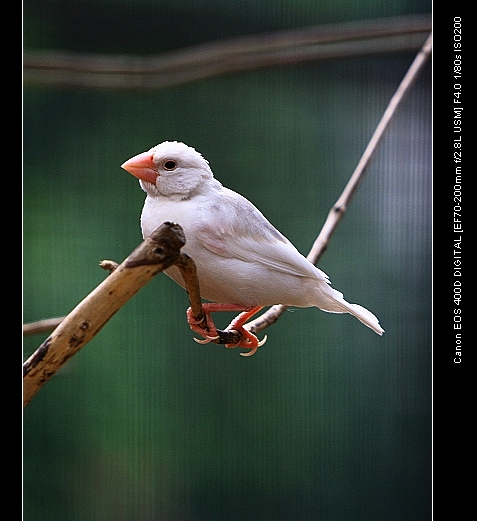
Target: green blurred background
pixel 328 421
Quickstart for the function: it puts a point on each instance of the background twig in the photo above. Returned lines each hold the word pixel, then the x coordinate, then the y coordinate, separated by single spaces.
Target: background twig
pixel 40 326
pixel 207 60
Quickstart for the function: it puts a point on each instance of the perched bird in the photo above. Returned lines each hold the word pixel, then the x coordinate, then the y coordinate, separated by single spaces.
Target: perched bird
pixel 243 262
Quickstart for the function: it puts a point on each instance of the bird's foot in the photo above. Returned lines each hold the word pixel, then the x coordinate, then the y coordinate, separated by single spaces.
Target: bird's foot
pixel 248 339
pixel 210 333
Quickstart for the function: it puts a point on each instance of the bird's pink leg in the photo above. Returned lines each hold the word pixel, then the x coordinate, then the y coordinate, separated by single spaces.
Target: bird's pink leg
pixel 249 340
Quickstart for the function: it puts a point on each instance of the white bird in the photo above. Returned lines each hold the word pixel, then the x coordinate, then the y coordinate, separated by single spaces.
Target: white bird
pixel 243 262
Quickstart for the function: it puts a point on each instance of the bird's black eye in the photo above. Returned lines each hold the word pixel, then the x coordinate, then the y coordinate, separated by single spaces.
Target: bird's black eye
pixel 170 164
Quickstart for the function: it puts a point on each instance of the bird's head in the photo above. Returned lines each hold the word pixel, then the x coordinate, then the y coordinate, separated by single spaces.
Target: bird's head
pixel 170 169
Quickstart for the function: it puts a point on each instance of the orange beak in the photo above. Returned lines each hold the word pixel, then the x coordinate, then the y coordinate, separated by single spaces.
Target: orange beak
pixel 142 167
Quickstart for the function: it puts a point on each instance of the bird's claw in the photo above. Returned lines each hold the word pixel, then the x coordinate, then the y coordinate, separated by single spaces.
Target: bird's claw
pixel 249 341
pixel 207 339
pixel 253 350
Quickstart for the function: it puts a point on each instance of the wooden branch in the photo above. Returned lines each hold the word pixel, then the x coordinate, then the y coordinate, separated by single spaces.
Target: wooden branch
pixel 339 208
pixel 153 255
pixel 211 59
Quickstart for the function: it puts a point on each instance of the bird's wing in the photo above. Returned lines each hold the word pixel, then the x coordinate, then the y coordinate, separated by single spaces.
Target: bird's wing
pixel 235 228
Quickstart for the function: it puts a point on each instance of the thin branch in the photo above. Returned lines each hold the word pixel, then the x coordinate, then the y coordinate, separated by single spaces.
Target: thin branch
pixel 339 208
pixel 40 326
pixel 221 57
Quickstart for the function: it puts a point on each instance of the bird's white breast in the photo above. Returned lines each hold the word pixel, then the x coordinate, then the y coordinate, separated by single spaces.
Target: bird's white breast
pixel 231 277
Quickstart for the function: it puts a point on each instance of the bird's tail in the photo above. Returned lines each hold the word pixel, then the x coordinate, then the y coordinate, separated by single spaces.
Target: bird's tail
pixel 337 304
